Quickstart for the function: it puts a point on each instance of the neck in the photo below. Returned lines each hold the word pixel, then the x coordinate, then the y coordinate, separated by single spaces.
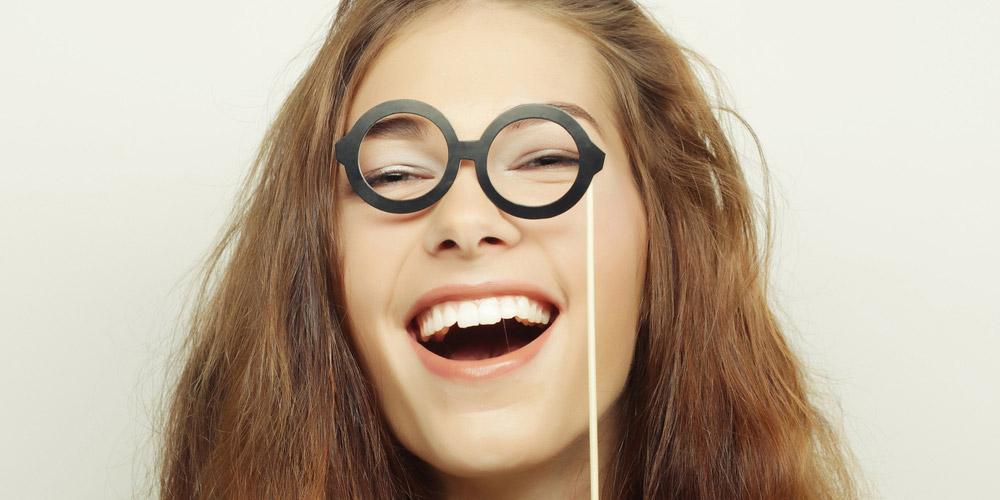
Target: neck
pixel 566 476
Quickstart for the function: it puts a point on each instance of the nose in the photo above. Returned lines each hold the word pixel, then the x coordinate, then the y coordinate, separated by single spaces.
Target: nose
pixel 465 223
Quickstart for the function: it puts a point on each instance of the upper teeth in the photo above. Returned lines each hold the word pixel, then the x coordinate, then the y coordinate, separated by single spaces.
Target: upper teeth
pixel 437 320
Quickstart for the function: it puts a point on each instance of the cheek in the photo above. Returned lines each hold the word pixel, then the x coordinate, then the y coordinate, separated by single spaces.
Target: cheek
pixel 620 241
pixel 373 248
pixel 371 257
pixel 373 254
pixel 357 297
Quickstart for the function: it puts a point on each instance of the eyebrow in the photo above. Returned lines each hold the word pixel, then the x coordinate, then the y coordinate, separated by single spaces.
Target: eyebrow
pixel 408 126
pixel 572 109
pixel 577 112
pixel 405 126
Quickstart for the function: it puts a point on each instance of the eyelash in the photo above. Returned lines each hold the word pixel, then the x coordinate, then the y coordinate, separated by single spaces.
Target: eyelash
pixel 549 160
pixel 382 176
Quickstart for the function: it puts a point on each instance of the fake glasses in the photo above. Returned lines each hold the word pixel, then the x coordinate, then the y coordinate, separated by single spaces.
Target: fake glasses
pixel 534 161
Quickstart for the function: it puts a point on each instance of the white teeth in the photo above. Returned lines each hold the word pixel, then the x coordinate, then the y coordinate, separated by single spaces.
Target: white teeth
pixel 438 321
pixel 508 309
pixel 450 314
pixel 468 314
pixel 489 312
pixel 435 322
pixel 523 307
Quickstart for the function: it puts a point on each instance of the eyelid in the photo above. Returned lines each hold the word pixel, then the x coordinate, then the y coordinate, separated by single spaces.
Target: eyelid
pixel 563 156
pixel 544 153
pixel 403 168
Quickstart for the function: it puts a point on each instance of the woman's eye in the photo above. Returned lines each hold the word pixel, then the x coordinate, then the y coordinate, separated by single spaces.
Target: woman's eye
pixel 549 161
pixel 392 175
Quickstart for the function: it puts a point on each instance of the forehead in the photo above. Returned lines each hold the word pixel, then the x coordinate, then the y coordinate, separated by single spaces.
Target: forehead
pixel 476 61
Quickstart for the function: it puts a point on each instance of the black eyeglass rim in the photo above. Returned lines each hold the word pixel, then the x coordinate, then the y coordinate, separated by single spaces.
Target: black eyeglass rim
pixel 348 147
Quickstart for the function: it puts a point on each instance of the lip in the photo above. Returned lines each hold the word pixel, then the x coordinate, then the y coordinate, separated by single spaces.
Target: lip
pixel 471 370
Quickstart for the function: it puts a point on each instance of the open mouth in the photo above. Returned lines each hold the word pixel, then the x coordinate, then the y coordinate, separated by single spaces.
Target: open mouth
pixel 482 328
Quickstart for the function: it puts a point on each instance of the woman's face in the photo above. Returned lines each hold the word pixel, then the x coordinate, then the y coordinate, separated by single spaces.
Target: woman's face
pixel 512 410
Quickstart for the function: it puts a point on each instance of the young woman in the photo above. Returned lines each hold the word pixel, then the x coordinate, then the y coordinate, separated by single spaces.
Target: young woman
pixel 399 308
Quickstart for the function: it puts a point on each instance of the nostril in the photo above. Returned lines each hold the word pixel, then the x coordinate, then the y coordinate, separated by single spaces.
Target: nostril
pixel 491 240
pixel 448 244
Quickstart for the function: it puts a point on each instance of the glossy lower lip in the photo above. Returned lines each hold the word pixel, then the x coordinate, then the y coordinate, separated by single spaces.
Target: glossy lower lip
pixel 480 369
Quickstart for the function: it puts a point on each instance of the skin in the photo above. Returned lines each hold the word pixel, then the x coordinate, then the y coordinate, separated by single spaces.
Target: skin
pixel 522 434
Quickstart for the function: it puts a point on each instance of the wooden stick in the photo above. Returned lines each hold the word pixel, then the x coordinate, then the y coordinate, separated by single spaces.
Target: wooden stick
pixel 595 490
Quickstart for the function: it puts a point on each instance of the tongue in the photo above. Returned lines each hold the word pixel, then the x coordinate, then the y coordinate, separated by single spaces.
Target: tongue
pixel 478 346
pixel 475 350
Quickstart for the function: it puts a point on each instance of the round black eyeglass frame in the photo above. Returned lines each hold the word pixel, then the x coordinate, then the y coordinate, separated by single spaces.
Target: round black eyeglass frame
pixel 348 147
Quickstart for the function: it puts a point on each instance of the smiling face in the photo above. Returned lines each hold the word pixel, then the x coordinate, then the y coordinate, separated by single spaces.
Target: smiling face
pixel 492 395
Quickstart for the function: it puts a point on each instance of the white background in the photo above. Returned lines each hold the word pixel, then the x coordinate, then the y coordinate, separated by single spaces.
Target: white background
pixel 126 127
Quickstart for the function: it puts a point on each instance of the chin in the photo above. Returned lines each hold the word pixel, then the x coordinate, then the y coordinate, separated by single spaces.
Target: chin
pixel 501 443
pixel 507 421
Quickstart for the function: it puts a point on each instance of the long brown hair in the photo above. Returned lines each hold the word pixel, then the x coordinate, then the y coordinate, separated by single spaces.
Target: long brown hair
pixel 273 403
